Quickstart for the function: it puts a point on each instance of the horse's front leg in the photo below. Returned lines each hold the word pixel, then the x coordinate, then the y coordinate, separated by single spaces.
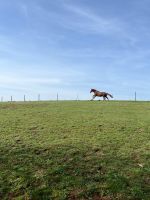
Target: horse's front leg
pixel 93 98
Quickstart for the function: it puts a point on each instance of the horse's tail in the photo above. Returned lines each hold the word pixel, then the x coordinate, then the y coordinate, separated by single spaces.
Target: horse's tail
pixel 110 95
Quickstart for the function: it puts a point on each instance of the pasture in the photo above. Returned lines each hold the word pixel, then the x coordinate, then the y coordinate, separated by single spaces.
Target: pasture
pixel 75 150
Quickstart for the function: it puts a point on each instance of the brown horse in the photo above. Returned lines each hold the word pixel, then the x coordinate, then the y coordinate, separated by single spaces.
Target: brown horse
pixel 100 94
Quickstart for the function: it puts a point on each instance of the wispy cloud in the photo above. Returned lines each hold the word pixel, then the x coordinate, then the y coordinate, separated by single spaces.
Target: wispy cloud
pixel 24 9
pixel 83 20
pixel 28 81
pixel 87 20
pixel 73 17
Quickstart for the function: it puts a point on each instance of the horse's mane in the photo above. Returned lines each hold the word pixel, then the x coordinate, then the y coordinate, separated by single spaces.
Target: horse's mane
pixel 93 90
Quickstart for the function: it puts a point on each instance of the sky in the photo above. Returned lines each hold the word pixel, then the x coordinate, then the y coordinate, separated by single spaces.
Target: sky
pixel 70 46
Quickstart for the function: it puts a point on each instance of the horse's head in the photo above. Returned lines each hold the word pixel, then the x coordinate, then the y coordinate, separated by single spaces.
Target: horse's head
pixel 92 90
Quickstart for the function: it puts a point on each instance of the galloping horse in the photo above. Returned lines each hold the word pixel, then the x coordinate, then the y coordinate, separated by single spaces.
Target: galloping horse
pixel 100 94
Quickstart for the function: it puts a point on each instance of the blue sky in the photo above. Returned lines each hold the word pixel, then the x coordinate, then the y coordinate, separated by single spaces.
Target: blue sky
pixel 70 46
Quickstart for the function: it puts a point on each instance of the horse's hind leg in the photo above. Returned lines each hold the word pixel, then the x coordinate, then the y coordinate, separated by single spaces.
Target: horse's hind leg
pixel 104 98
pixel 107 98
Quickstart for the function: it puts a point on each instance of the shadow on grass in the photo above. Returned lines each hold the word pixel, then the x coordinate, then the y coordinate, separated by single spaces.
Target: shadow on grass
pixel 67 172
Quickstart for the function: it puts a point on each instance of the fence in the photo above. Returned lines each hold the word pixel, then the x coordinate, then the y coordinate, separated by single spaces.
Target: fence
pixel 56 98
pixel 27 98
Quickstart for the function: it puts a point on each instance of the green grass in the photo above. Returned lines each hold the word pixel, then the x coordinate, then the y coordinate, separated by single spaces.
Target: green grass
pixel 75 150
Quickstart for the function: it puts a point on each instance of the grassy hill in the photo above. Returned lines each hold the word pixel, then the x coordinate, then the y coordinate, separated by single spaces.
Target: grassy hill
pixel 75 150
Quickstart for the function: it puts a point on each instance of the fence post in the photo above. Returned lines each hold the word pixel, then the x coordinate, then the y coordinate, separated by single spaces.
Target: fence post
pixel 77 99
pixel 24 97
pixel 11 99
pixel 57 96
pixel 135 96
pixel 38 97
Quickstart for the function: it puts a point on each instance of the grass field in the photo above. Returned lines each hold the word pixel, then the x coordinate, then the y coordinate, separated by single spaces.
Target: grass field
pixel 75 150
